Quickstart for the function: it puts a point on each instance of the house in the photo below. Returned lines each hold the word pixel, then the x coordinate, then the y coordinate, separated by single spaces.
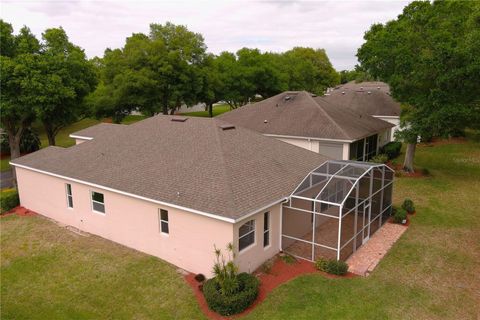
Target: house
pixel 372 98
pixel 305 120
pixel 175 187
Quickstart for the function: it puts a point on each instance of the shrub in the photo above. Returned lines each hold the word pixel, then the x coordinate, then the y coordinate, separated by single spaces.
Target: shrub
pixel 380 158
pixel 392 149
pixel 288 259
pixel 408 206
pixel 225 271
pixel 8 200
pixel 199 277
pixel 332 266
pixel 29 142
pixel 266 267
pixel 234 302
pixel 400 215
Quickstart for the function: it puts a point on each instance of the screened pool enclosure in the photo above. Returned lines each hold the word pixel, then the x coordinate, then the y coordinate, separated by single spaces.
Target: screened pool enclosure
pixel 336 209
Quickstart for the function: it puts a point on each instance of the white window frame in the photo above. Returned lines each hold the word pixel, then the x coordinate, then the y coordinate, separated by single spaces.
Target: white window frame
pixel 266 229
pixel 98 202
pixel 247 234
pixel 69 195
pixel 160 220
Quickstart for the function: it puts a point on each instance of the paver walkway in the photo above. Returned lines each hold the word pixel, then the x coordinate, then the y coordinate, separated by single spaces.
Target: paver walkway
pixel 366 258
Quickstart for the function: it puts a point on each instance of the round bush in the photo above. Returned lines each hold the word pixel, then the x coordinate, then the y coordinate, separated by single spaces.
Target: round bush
pixel 8 200
pixel 332 266
pixel 408 206
pixel 400 215
pixel 235 303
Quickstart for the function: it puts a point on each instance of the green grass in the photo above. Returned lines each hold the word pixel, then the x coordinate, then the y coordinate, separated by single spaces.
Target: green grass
pixel 4 165
pixel 430 273
pixel 217 110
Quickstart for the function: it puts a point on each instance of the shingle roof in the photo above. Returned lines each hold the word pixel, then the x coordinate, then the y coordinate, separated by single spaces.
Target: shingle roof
pixel 194 164
pixel 98 130
pixel 372 98
pixel 297 113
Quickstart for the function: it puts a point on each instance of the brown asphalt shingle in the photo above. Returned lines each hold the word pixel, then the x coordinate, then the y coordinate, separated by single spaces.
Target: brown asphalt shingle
pixel 297 113
pixel 194 164
pixel 372 98
pixel 98 129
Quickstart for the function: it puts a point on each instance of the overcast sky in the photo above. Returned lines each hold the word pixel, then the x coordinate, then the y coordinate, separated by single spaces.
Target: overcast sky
pixel 337 26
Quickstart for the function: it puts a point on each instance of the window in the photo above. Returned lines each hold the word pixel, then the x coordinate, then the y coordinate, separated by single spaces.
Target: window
pixel 163 221
pixel 98 203
pixel 246 235
pixel 69 195
pixel 266 229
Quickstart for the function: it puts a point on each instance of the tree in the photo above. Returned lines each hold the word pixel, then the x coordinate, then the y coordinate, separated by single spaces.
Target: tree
pixel 357 75
pixel 152 73
pixel 19 79
pixel 67 77
pixel 309 70
pixel 211 91
pixel 429 57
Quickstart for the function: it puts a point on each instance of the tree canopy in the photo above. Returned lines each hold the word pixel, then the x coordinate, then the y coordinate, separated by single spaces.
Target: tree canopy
pixel 430 58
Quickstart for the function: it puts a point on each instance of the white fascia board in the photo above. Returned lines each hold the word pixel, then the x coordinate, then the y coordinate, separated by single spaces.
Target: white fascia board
pixel 306 138
pixel 387 117
pixel 206 214
pixel 73 136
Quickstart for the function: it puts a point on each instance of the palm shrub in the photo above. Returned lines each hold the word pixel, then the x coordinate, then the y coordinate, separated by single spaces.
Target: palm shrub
pixel 225 271
pixel 408 206
pixel 400 215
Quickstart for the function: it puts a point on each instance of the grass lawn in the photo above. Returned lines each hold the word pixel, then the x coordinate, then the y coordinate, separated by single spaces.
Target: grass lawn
pixel 217 109
pixel 431 273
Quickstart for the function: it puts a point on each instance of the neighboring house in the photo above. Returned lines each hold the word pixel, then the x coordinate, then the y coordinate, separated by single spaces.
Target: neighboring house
pixel 175 187
pixel 371 98
pixel 307 121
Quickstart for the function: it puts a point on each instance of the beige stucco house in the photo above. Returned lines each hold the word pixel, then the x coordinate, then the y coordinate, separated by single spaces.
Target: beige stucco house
pixel 176 187
pixel 305 120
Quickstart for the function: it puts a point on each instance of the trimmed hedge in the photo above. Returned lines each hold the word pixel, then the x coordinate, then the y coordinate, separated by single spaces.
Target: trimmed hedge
pixel 236 303
pixel 408 206
pixel 332 266
pixel 391 149
pixel 8 200
pixel 400 215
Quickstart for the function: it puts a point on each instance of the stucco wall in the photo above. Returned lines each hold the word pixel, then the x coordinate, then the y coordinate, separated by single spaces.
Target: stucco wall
pixel 393 120
pixel 330 149
pixel 254 256
pixel 131 222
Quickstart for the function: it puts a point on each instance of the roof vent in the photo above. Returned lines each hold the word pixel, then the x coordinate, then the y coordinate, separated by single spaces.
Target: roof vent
pixel 179 119
pixel 378 88
pixel 265 121
pixel 287 98
pixel 361 88
pixel 314 95
pixel 343 92
pixel 227 127
pixel 369 92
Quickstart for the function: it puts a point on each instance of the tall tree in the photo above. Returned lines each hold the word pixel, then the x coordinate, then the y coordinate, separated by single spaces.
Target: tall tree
pixel 211 85
pixel 309 69
pixel 429 57
pixel 67 77
pixel 19 81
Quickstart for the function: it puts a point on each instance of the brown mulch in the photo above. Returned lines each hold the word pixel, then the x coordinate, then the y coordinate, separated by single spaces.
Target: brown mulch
pixel 280 273
pixel 399 168
pixel 20 211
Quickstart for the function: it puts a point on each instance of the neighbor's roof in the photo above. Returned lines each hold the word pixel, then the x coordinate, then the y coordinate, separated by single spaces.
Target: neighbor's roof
pixel 372 98
pixel 298 113
pixel 97 130
pixel 193 164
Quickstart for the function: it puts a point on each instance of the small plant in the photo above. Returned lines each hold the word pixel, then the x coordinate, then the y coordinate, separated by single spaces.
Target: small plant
pixel 288 259
pixel 380 158
pixel 225 271
pixel 266 267
pixel 332 266
pixel 408 206
pixel 400 216
pixel 8 200
pixel 392 149
pixel 199 277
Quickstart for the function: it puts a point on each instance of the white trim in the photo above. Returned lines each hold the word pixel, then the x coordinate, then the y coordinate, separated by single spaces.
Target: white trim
pixel 258 210
pixel 306 138
pixel 140 197
pixel 387 117
pixel 73 136
pixel 97 202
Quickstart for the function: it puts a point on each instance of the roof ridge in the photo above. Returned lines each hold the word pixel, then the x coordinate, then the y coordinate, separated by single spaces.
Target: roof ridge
pixel 328 116
pixel 222 159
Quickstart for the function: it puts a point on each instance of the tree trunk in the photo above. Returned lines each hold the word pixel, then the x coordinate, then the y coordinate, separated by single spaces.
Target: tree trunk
pixel 409 155
pixel 14 141
pixel 50 133
pixel 165 109
pixel 172 111
pixel 210 110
